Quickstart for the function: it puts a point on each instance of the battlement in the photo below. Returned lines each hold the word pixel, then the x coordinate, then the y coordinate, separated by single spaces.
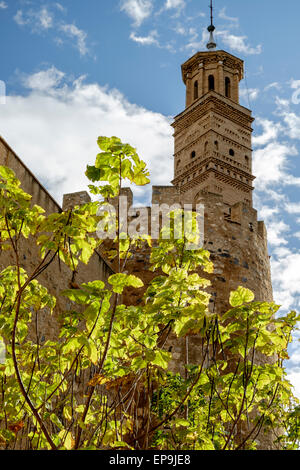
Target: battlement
pixel 239 220
pixel 165 195
pixel 75 199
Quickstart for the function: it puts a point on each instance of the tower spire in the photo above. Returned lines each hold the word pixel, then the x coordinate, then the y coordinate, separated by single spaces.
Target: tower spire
pixel 211 44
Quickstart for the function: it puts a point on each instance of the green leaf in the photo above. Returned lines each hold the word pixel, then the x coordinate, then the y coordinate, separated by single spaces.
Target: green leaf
pixel 162 359
pixel 240 296
pixel 120 281
pixel 182 422
pixel 7 173
pixel 76 295
pixel 93 173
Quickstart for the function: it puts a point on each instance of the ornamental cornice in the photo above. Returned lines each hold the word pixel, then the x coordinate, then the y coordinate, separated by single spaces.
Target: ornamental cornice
pixel 204 176
pixel 218 159
pixel 215 105
pixel 215 161
pixel 188 142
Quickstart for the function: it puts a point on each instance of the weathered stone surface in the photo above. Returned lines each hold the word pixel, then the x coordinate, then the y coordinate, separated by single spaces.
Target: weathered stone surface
pixel 75 199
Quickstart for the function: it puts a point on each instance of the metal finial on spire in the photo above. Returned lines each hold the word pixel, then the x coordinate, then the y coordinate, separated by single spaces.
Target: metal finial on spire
pixel 211 43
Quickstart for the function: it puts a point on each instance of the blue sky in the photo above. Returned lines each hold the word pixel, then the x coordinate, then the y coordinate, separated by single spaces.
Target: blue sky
pixel 77 69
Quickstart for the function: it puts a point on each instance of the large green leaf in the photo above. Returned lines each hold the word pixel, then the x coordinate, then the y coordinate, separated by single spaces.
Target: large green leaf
pixel 120 281
pixel 240 296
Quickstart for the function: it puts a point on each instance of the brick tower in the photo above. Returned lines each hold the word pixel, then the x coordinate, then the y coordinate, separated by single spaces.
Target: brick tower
pixel 213 134
pixel 213 166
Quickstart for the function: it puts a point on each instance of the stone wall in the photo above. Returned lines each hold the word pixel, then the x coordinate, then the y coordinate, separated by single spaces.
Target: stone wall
pixel 237 242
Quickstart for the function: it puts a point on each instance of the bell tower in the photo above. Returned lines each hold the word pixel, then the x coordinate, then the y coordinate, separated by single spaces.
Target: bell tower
pixel 213 134
pixel 213 166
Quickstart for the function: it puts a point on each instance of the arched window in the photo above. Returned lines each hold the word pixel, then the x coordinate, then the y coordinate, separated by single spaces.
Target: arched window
pixel 193 154
pixel 178 163
pixel 227 87
pixel 216 145
pixel 205 146
pixel 247 160
pixel 196 90
pixel 231 153
pixel 211 82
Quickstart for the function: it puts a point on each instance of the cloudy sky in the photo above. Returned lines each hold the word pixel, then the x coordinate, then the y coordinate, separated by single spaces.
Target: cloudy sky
pixel 77 69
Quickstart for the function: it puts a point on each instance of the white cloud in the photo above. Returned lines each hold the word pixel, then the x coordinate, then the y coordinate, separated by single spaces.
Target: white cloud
pixel 290 119
pixel 293 207
pixel 238 43
pixel 270 165
pixel 177 4
pixel 79 35
pixel 3 5
pixel 186 31
pixel 282 104
pixel 200 14
pixel 281 251
pixel 294 378
pixel 293 364
pixel 194 44
pixel 295 356
pixel 44 80
pixel 222 14
pixel 266 212
pixel 295 84
pixel 55 128
pixel 45 18
pixel 251 93
pixel 60 7
pixel 179 29
pixel 270 131
pixel 138 10
pixel 151 39
pixel 235 43
pixel 276 230
pixel 286 279
pixel 19 18
pixel 274 195
pixel 39 20
pixel 273 85
pixel 293 124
